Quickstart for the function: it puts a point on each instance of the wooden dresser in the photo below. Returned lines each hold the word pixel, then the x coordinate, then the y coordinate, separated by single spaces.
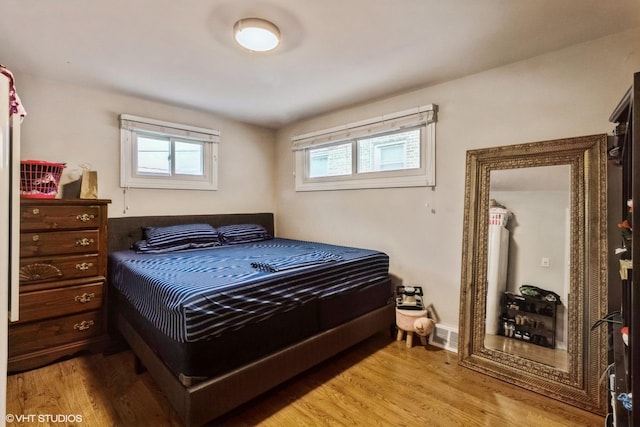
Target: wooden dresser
pixel 63 262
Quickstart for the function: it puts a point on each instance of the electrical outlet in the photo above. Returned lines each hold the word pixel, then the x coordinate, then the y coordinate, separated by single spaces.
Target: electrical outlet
pixel 544 262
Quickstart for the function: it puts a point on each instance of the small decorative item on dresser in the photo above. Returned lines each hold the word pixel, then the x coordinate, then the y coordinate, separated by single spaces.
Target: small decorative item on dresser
pixel 40 179
pixel 89 186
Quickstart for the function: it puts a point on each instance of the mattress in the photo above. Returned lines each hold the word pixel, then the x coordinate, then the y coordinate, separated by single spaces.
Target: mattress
pixel 251 312
pixel 193 295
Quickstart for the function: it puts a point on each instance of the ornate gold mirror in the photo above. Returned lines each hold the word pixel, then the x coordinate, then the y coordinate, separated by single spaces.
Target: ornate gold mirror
pixel 534 267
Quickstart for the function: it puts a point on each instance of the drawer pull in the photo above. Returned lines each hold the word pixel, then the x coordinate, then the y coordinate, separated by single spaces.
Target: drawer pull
pixel 36 211
pixel 83 326
pixel 84 266
pixel 84 242
pixel 35 237
pixel 85 298
pixel 85 217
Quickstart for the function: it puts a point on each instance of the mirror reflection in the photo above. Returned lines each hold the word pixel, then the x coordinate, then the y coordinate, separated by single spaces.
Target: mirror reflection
pixel 528 263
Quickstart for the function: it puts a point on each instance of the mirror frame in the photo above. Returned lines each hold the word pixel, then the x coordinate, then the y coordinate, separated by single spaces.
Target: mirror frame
pixel 587 302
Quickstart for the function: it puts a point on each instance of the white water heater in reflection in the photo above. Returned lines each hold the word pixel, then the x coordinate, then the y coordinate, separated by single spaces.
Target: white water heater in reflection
pixel 497 266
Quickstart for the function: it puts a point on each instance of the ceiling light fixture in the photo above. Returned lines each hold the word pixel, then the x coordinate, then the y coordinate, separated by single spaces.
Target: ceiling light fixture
pixel 256 34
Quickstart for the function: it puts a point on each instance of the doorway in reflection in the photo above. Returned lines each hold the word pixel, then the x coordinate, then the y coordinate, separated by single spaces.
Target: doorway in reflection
pixel 528 265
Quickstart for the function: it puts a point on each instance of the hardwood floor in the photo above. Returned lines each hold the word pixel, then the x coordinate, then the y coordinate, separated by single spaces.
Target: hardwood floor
pixel 549 356
pixel 378 382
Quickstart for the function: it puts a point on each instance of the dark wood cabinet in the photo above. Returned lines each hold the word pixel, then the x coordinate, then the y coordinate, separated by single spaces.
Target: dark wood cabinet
pixel 63 262
pixel 624 159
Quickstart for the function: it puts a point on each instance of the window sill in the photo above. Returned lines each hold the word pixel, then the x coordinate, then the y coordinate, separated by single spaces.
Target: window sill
pixel 364 183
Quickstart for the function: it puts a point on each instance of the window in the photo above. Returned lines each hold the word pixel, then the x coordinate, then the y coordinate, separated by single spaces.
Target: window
pixel 330 161
pixel 157 154
pixel 164 156
pixel 396 150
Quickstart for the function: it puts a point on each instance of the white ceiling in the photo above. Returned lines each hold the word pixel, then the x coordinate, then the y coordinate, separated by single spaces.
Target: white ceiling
pixel 334 53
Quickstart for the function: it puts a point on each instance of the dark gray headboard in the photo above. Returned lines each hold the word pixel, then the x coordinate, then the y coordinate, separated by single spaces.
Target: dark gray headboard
pixel 126 230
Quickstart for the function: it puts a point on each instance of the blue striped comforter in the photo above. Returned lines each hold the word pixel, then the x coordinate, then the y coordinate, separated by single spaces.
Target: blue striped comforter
pixel 192 295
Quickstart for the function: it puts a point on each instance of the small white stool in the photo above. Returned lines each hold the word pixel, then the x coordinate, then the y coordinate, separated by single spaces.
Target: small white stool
pixel 405 320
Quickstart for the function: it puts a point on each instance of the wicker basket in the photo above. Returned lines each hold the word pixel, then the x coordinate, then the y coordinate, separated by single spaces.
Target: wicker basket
pixel 498 216
pixel 40 179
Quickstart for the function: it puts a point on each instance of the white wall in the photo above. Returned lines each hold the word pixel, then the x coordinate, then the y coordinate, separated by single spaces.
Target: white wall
pixel 537 231
pixel 563 94
pixel 76 125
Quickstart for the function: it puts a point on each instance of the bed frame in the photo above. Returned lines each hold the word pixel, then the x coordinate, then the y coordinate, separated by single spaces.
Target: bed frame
pixel 209 399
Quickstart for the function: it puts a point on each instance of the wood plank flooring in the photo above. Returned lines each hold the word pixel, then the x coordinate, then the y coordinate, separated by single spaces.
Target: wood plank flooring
pixel 549 356
pixel 378 382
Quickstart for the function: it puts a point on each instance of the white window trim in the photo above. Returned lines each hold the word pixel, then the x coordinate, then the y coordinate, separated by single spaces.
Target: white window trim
pixel 130 125
pixel 424 116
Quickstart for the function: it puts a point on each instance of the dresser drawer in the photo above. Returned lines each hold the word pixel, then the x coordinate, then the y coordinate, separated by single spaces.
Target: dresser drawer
pixel 61 301
pixel 59 243
pixel 35 336
pixel 52 217
pixel 35 270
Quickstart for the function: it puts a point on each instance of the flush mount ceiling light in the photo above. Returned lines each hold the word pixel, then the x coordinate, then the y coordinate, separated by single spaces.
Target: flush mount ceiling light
pixel 256 34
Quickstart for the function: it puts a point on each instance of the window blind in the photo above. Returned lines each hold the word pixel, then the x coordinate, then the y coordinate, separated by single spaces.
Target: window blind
pixel 136 124
pixel 405 119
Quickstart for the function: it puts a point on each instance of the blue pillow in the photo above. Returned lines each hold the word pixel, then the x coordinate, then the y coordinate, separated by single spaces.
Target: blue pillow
pixel 181 234
pixel 242 233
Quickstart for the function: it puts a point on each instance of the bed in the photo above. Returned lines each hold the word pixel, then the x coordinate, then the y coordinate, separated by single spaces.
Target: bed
pixel 228 317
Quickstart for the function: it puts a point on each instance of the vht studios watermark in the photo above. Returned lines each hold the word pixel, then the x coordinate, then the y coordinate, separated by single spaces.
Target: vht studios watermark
pixel 43 418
